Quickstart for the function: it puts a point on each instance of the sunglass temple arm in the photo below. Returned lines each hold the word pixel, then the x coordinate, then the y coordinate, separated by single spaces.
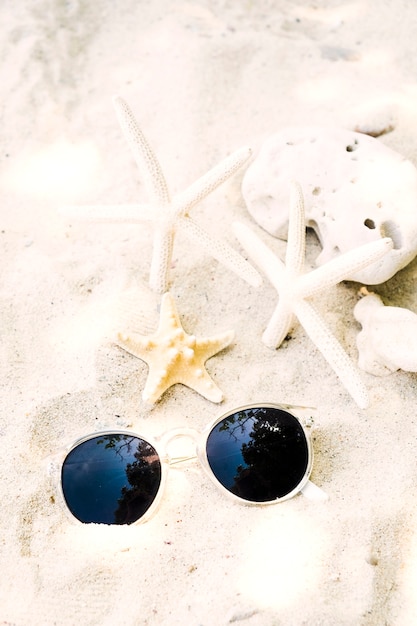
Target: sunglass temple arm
pixel 313 492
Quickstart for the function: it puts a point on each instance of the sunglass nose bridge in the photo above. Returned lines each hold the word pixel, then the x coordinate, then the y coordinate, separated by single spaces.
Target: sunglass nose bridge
pixel 181 452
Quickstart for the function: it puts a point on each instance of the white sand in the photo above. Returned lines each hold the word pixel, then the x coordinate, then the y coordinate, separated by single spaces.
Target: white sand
pixel 203 78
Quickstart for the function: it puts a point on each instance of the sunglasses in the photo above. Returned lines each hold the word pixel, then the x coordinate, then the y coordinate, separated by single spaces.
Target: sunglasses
pixel 257 454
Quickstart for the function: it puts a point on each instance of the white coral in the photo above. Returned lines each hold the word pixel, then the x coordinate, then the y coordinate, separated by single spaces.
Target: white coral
pixel 388 339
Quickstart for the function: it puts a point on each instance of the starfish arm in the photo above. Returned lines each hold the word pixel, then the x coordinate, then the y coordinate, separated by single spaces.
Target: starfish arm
pixel 221 251
pixel 206 348
pixel 145 158
pixel 110 213
pixel 342 267
pixel 203 384
pixel 168 314
pixel 184 202
pixel 154 388
pixel 199 381
pixel 135 344
pixel 163 243
pixel 332 351
pixel 295 253
pixel 259 252
pixel 279 325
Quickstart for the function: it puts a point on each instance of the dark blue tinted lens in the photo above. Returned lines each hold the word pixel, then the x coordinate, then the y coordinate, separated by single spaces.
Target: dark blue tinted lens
pixel 259 454
pixel 111 479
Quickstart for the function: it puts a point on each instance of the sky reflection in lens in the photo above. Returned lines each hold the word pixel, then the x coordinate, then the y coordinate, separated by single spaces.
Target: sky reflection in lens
pixel 111 479
pixel 259 454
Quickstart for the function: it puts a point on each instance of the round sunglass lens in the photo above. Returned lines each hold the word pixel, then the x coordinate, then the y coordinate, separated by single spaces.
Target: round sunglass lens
pixel 111 479
pixel 259 453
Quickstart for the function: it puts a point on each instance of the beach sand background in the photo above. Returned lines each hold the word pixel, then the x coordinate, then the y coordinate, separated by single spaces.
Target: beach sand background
pixel 203 79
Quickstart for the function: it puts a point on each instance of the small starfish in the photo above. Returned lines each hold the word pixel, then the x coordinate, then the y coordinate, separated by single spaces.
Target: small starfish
pixel 173 356
pixel 294 287
pixel 169 215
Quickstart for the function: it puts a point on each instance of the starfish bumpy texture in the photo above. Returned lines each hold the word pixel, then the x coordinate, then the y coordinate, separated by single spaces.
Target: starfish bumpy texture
pixel 173 356
pixel 295 287
pixel 165 214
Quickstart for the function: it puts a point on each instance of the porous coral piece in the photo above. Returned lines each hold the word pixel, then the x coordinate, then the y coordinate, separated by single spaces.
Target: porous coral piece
pixel 356 190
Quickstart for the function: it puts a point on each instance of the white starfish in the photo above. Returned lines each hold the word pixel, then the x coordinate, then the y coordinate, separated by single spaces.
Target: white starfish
pixel 169 215
pixel 295 287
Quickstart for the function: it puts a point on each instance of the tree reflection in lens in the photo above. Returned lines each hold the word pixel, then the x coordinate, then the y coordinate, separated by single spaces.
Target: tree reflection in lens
pixel 259 454
pixel 111 479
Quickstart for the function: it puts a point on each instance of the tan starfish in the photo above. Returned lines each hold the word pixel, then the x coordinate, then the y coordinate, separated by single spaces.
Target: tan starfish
pixel 169 215
pixel 173 356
